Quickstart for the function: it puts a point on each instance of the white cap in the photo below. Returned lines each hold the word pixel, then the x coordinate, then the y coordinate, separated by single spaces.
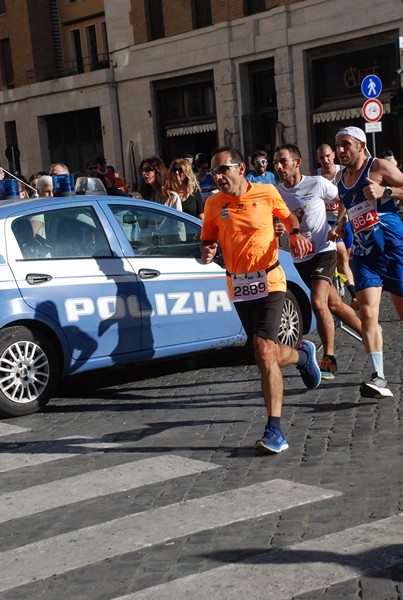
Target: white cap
pixel 356 133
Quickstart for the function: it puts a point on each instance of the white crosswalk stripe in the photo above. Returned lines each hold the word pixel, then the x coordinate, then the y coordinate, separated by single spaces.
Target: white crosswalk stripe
pixel 6 429
pixel 49 451
pixel 325 561
pixel 96 484
pixel 73 550
pixel 305 567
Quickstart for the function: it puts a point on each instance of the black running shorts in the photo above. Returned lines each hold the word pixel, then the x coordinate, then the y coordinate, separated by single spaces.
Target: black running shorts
pixel 321 266
pixel 262 317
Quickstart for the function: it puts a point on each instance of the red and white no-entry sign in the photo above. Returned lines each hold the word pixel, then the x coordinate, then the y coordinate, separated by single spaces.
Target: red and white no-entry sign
pixel 372 110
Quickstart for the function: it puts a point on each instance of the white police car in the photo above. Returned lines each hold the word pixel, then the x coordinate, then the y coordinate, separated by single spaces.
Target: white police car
pixel 93 281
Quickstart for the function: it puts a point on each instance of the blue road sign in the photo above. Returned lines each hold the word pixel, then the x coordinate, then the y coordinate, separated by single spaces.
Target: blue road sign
pixel 371 86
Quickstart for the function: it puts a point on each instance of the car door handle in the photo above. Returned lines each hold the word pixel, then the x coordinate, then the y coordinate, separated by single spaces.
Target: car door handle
pixel 149 273
pixel 35 278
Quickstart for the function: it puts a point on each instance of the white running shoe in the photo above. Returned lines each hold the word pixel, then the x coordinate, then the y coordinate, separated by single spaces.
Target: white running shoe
pixel 375 388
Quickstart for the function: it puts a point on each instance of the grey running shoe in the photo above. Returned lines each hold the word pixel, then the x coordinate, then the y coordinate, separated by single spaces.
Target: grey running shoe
pixel 375 388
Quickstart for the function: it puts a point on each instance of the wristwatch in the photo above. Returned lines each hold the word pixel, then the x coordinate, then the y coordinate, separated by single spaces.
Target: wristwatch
pixel 295 231
pixel 388 192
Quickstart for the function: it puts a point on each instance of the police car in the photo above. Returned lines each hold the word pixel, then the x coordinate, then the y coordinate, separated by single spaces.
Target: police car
pixel 88 282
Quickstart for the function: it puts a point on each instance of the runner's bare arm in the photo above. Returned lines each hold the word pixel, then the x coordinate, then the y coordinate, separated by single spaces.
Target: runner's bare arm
pixel 279 227
pixel 300 246
pixel 336 232
pixel 382 174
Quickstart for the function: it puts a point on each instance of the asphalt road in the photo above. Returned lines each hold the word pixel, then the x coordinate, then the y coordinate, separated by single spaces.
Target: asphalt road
pixel 143 483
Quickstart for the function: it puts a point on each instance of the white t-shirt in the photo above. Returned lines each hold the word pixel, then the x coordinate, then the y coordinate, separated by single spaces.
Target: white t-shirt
pixel 307 201
pixel 333 180
pixel 332 208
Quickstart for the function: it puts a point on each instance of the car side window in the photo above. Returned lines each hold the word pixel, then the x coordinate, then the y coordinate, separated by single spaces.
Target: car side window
pixel 156 233
pixel 64 233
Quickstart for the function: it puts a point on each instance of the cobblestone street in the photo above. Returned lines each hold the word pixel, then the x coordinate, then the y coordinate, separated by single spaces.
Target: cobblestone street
pixel 144 483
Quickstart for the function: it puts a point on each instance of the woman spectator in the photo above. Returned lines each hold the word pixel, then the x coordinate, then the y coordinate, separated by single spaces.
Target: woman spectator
pixel 185 185
pixel 33 180
pixel 156 184
pixel 22 189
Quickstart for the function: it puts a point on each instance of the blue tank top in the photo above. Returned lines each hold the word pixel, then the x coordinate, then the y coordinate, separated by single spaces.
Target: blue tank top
pixel 383 236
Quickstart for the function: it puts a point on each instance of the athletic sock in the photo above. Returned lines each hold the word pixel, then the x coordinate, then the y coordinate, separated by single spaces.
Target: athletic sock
pixel 275 421
pixel 302 358
pixel 376 360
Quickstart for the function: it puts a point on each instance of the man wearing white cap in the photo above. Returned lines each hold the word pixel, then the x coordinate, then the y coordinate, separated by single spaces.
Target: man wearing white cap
pixel 368 189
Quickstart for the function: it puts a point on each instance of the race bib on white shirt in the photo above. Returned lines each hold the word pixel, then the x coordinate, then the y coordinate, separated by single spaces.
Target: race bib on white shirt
pixel 332 210
pixel 250 286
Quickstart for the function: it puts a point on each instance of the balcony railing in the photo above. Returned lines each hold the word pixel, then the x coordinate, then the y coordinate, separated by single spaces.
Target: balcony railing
pixel 71 67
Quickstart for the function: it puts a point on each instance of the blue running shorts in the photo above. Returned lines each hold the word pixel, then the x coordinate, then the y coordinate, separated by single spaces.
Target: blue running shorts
pixel 384 270
pixel 348 236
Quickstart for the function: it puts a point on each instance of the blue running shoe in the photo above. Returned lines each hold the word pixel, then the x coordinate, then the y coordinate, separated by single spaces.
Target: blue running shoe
pixel 310 372
pixel 273 440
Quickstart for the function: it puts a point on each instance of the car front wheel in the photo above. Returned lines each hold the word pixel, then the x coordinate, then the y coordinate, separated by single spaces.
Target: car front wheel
pixel 291 326
pixel 29 371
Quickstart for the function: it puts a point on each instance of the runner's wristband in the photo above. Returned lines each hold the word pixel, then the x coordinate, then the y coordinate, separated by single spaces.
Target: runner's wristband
pixel 295 231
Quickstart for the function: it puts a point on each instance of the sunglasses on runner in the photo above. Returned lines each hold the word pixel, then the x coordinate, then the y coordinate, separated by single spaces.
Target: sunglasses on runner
pixel 260 161
pixel 222 169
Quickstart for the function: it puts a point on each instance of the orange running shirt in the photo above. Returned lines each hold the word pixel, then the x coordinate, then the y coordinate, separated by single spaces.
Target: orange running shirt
pixel 244 227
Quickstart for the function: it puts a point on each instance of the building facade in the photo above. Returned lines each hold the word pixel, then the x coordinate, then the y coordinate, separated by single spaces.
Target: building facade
pixel 138 77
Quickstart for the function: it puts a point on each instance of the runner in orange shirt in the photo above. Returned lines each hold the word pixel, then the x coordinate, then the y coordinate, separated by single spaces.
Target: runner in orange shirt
pixel 240 218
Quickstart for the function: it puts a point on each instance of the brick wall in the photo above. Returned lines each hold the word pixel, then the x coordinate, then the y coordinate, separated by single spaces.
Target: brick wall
pixel 138 21
pixel 15 26
pixel 178 15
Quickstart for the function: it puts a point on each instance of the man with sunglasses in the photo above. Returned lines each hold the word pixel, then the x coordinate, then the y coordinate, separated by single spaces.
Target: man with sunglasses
pixel 259 173
pixel 240 217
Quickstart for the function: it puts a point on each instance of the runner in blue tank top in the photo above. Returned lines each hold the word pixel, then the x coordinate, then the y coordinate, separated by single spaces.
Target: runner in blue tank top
pixel 369 189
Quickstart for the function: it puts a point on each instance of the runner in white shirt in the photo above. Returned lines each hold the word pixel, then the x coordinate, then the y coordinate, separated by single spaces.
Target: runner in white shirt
pixel 306 196
pixel 331 171
pixel 305 200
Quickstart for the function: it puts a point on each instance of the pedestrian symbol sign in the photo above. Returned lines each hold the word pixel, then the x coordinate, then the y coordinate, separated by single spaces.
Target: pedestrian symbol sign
pixel 371 86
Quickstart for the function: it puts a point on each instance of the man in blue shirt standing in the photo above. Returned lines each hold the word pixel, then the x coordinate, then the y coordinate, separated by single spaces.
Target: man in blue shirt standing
pixel 259 174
